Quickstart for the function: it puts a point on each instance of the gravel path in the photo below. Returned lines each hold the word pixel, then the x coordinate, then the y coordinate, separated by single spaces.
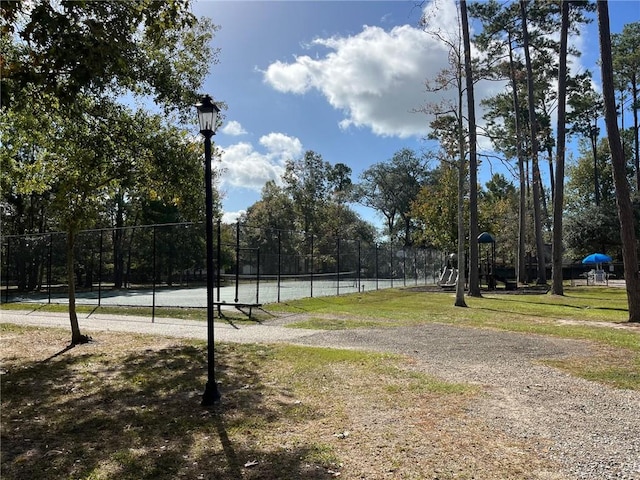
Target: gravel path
pixel 591 430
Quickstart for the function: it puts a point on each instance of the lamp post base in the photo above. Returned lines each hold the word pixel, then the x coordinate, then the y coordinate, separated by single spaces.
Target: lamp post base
pixel 211 394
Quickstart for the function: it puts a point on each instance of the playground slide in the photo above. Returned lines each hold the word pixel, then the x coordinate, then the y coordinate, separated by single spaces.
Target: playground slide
pixel 448 278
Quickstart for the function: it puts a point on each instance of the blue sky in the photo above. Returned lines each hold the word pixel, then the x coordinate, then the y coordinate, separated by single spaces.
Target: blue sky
pixel 340 78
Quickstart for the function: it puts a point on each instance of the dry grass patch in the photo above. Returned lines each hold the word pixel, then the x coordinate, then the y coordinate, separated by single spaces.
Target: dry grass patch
pixel 128 407
pixel 618 368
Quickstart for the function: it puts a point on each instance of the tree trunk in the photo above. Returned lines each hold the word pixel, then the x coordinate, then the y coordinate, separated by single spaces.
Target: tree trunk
pixel 460 284
pixel 118 243
pixel 558 196
pixel 474 276
pixel 537 220
pixel 521 272
pixel 551 175
pixel 460 302
pixel 623 191
pixel 636 130
pixel 76 336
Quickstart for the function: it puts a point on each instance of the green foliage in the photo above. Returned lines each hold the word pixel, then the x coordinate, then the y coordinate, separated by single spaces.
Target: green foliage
pixel 590 227
pixel 626 56
pixel 144 47
pixel 69 139
pixel 585 105
pixel 626 66
pixel 309 211
pixel 391 187
pixel 580 189
pixel 67 66
pixel 498 214
pixel 435 209
pixel 97 151
pixel 306 181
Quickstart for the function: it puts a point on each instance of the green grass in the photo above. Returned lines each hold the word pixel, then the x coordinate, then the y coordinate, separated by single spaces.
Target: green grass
pixel 581 314
pixel 623 373
pixel 410 305
pixel 160 312
pixel 184 313
pixel 543 314
pixel 127 407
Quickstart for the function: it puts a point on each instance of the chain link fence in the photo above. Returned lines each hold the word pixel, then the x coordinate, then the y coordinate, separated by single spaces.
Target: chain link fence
pixel 165 265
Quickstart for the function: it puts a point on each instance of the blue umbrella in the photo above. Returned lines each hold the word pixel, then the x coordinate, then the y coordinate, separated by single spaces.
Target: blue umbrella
pixel 597 258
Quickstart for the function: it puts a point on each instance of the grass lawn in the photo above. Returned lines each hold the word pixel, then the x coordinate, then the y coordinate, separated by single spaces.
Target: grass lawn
pixel 127 406
pixel 597 314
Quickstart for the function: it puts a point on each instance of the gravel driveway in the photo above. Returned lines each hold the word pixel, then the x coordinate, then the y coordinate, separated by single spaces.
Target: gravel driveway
pixel 591 430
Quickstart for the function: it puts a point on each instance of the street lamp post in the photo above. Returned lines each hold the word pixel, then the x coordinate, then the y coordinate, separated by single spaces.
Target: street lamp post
pixel 595 131
pixel 208 118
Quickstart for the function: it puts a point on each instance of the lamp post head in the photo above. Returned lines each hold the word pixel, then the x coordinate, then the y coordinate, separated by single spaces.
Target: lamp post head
pixel 207 116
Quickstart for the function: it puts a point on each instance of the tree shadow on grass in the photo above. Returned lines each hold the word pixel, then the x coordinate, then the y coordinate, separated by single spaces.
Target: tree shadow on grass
pixel 61 352
pixel 93 415
pixel 604 306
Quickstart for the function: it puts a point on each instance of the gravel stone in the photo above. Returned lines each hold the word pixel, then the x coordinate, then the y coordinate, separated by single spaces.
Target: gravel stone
pixel 593 431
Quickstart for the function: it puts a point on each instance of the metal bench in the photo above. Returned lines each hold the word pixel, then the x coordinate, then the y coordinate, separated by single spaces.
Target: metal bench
pixel 238 306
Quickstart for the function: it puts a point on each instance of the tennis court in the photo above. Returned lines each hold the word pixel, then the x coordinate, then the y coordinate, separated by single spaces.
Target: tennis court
pixel 248 289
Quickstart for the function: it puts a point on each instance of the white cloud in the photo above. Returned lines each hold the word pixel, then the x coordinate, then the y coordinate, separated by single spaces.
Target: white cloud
pixel 294 78
pixel 376 77
pixel 233 128
pixel 244 166
pixel 281 146
pixel 232 217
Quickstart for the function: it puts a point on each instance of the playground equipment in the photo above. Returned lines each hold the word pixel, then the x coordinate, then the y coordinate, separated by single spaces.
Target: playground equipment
pixel 487 265
pixel 449 276
pixel 487 268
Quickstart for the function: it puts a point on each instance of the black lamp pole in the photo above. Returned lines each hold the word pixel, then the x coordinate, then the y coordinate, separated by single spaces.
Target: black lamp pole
pixel 208 117
pixel 595 131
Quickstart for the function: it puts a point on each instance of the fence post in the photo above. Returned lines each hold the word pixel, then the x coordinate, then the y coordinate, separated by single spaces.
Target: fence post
pixel 237 258
pixel 6 275
pixel 153 301
pixel 338 265
pixel 377 269
pixel 391 263
pixel 311 265
pixel 427 255
pixel 279 262
pixel 100 268
pixel 49 277
pixel 258 275
pixel 359 267
pixel 404 267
